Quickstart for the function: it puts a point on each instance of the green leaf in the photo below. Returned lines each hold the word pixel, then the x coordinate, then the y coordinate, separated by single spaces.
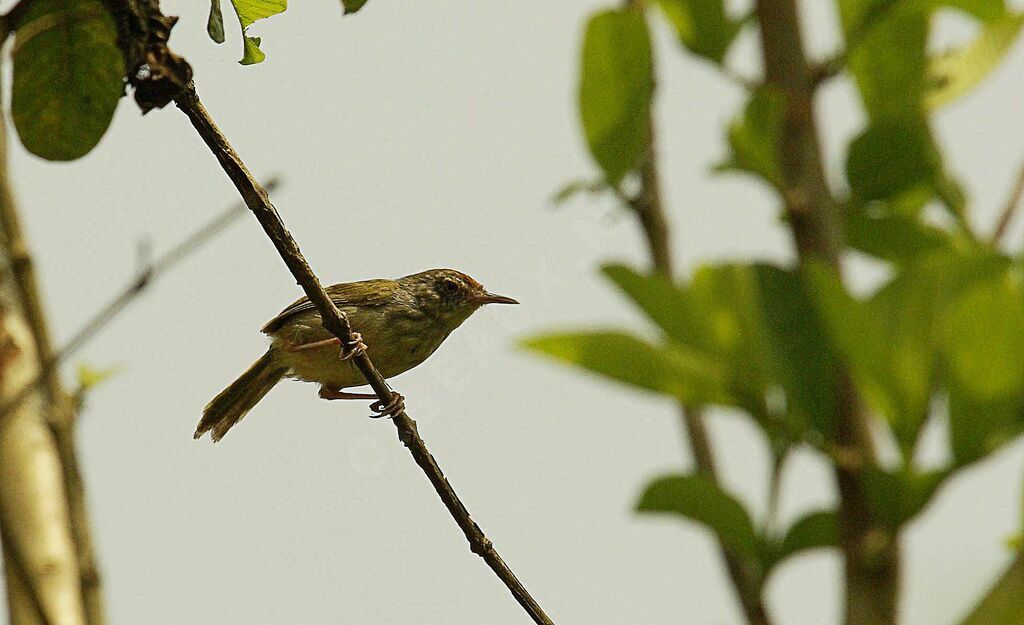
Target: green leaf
pixel 893 237
pixel 351 6
pixel 697 498
pixel 757 324
pixel 1003 604
pixel 755 138
pixel 986 338
pixel 894 341
pixel 896 497
pixel 215 23
pixel 888 348
pixel 68 77
pixel 892 156
pixel 986 389
pixel 90 377
pixel 978 427
pixel 667 370
pixel 952 75
pixel 886 53
pixel 616 86
pixel 249 12
pixel 815 530
pixel 702 26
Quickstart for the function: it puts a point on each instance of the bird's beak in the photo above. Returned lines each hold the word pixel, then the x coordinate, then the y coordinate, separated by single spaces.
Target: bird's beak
pixel 491 298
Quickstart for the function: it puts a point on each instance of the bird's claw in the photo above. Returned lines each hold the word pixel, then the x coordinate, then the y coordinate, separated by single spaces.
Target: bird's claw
pixel 394 407
pixel 353 347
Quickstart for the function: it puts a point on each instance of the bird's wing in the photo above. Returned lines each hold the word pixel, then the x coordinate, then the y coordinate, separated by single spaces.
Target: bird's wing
pixel 365 293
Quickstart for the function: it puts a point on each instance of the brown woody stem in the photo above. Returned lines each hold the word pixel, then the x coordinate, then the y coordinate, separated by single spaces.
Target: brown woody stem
pixel 871 553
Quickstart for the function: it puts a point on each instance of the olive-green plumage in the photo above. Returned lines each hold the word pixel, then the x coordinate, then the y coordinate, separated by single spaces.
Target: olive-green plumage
pixel 402 321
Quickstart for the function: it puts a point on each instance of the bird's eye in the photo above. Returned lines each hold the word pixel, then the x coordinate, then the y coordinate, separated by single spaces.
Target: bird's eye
pixel 450 286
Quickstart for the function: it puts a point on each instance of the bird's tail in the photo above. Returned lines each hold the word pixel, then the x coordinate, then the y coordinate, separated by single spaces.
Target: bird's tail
pixel 228 408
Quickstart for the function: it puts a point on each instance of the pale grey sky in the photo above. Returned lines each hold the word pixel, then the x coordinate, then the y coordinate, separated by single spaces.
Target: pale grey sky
pixel 417 135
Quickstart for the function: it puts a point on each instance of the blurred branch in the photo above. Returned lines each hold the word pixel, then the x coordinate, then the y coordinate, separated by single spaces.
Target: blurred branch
pixel 40 550
pixel 62 409
pixel 145 277
pixel 335 322
pixel 1009 209
pixel 871 553
pixel 647 204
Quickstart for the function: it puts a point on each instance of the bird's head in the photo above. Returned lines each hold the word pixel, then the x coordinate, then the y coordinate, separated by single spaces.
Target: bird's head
pixel 449 294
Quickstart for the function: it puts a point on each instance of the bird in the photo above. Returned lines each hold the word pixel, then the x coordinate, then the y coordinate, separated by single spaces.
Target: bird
pixel 403 322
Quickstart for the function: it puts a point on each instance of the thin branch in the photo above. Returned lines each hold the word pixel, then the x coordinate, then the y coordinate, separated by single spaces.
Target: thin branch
pixel 146 276
pixel 647 205
pixel 823 71
pixel 871 553
pixel 1009 209
pixel 335 322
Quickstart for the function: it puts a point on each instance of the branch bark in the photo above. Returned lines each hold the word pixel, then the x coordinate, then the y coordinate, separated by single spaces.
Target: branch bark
pixel 651 215
pixel 40 559
pixel 871 553
pixel 335 322
pixel 42 551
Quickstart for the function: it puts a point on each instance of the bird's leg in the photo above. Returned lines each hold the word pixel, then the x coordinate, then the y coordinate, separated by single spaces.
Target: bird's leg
pixel 350 348
pixel 314 345
pixel 334 393
pixel 394 406
pixel 353 347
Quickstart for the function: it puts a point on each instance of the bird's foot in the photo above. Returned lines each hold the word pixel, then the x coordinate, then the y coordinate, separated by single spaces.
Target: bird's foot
pixel 353 347
pixel 394 407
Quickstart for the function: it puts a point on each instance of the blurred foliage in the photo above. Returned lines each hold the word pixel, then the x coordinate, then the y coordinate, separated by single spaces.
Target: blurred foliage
pixel 941 336
pixel 616 86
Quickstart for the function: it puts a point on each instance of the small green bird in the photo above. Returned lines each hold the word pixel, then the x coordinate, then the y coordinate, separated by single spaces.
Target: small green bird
pixel 402 320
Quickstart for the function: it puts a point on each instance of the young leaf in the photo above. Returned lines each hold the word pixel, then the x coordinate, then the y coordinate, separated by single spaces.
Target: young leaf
pixel 757 323
pixel 68 77
pixel 814 530
pixel 952 75
pixel 672 371
pixel 893 155
pixel 702 26
pixel 886 50
pixel 893 237
pixel 90 377
pixel 215 23
pixel 754 139
pixel 249 12
pixel 978 427
pixel 615 90
pixel 697 498
pixel 351 6
pixel 896 497
pixel 986 338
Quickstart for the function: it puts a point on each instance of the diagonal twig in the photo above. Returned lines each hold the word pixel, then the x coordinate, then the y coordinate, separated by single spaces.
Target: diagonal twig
pixel 335 322
pixel 1009 209
pixel 126 296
